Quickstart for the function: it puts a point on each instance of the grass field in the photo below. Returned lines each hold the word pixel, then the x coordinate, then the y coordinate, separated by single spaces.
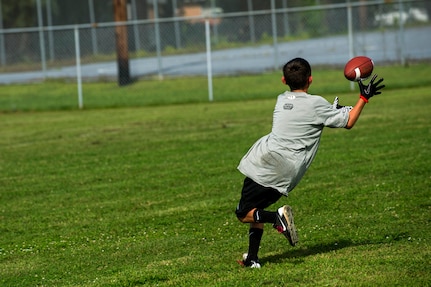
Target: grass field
pixel 63 95
pixel 132 191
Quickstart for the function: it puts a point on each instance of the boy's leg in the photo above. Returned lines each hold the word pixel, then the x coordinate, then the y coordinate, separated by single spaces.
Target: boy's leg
pixel 254 198
pixel 258 215
pixel 254 237
pixel 263 216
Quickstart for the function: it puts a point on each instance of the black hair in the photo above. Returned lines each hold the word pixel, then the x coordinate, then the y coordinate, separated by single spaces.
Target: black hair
pixel 296 73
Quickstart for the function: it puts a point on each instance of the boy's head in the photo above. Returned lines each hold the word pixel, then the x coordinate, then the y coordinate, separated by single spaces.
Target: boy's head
pixel 297 74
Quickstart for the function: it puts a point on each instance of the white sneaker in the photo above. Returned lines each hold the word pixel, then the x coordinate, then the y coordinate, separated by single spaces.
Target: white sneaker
pixel 284 224
pixel 249 263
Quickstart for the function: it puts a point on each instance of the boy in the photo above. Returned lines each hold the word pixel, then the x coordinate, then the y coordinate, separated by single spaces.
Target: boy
pixel 275 164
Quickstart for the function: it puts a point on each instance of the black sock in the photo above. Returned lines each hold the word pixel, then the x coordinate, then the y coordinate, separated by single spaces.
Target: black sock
pixel 263 216
pixel 254 237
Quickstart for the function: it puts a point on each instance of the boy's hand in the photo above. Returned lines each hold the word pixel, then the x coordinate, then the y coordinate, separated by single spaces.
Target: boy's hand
pixel 371 89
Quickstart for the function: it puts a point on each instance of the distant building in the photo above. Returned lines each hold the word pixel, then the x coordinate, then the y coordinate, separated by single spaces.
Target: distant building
pixel 196 10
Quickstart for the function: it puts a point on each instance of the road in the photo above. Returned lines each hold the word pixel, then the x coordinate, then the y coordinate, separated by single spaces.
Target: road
pixel 380 46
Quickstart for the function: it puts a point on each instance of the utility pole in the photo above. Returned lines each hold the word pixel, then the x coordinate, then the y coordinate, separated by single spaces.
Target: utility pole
pixel 120 15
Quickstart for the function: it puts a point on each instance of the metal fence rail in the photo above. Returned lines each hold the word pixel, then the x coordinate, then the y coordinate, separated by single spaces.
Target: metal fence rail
pixel 246 42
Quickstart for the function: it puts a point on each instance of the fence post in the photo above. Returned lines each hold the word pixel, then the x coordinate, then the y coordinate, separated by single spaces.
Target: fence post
pixel 176 26
pixel 2 46
pixel 78 67
pixel 157 35
pixel 350 35
pixel 209 62
pixel 274 34
pixel 41 38
pixel 285 19
pixel 135 27
pixel 50 33
pixel 401 32
pixel 93 29
pixel 251 21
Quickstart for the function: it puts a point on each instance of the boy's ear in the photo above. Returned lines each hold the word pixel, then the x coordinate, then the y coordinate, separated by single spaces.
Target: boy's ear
pixel 310 80
pixel 283 80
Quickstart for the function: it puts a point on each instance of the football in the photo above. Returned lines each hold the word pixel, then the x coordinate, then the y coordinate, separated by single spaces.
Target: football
pixel 359 67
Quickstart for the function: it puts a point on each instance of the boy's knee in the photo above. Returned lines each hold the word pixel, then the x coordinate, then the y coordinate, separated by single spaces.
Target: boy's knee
pixel 241 219
pixel 243 215
pixel 246 217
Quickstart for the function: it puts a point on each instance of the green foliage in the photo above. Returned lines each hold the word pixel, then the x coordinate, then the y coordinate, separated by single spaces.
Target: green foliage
pixel 19 14
pixel 315 20
pixel 144 195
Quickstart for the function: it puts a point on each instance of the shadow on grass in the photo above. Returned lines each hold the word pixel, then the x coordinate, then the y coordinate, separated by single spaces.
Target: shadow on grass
pixel 298 254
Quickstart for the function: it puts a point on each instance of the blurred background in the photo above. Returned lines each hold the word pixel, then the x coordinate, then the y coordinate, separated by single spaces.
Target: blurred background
pixel 123 39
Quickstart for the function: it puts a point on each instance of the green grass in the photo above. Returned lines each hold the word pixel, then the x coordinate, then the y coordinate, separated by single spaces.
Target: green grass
pixel 63 95
pixel 144 195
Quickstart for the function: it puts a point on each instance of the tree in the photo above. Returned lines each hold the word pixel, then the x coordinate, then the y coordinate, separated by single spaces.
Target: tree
pixel 120 15
pixel 19 14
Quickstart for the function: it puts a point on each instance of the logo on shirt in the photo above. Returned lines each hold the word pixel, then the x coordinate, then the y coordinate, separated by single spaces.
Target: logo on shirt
pixel 288 106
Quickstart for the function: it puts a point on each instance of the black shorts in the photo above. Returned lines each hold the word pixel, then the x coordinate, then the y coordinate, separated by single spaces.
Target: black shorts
pixel 254 195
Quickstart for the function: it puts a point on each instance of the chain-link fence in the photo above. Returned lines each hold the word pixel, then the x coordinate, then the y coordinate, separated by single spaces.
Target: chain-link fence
pixel 246 42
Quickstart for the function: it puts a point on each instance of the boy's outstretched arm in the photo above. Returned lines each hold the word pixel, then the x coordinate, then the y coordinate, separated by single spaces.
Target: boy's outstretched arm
pixel 366 92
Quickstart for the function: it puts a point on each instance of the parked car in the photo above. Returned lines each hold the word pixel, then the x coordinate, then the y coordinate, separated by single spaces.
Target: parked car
pixel 419 15
pixel 397 17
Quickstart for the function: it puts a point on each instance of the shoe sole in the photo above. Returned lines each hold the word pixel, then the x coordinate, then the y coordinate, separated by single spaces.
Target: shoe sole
pixel 291 235
pixel 241 262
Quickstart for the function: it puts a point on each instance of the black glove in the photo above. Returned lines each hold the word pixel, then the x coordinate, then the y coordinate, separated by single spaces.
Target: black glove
pixel 371 89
